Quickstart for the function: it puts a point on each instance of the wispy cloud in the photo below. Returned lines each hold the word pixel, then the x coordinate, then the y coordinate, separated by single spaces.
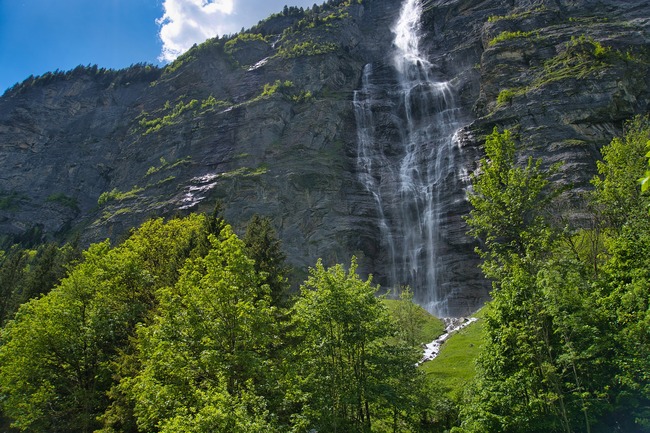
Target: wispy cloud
pixel 186 22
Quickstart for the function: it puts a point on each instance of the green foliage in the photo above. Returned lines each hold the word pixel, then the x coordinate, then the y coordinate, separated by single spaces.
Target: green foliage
pixel 505 96
pixel 508 35
pixel 625 274
pixel 117 195
pixel 270 89
pixel 64 338
pixel 507 203
pixel 263 246
pixel 64 200
pixel 205 48
pixel 245 172
pixel 57 354
pixel 153 170
pixel 565 339
pixel 543 368
pixel 516 16
pixel 306 48
pixel 155 124
pixel 26 274
pixel 619 193
pixel 415 325
pixel 240 41
pixel 138 72
pixel 348 370
pixel 303 96
pixel 206 346
pixel 581 58
pixel 9 200
pixel 165 165
pixel 211 103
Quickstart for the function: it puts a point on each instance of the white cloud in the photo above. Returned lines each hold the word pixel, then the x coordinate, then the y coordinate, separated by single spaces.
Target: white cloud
pixel 186 22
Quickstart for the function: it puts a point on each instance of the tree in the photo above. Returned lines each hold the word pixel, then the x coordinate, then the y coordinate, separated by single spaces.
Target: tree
pixel 12 265
pixel 409 318
pixel 26 274
pixel 617 186
pixel 507 205
pixel 57 355
pixel 263 246
pixel 623 287
pixel 52 361
pixel 205 351
pixel 541 368
pixel 348 371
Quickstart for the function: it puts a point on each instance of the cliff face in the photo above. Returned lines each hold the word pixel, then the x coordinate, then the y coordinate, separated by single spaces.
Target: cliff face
pixel 266 123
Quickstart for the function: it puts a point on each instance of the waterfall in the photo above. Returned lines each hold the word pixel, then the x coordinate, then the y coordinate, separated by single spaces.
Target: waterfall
pixel 406 135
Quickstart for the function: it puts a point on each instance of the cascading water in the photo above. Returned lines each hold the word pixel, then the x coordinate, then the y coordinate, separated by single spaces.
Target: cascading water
pixel 406 145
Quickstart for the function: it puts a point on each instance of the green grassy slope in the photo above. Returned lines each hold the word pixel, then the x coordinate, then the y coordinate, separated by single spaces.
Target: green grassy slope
pixel 431 326
pixel 454 366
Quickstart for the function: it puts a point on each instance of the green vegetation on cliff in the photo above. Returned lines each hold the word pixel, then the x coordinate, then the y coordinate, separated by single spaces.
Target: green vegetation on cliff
pixel 581 58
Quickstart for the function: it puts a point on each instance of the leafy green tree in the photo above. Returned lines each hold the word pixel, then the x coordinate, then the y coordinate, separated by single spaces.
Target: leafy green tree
pixel 541 369
pixel 507 206
pixel 347 369
pixel 52 358
pixel 12 265
pixel 205 352
pixel 623 287
pixel 626 299
pixel 409 318
pixel 617 185
pixel 57 354
pixel 26 274
pixel 48 266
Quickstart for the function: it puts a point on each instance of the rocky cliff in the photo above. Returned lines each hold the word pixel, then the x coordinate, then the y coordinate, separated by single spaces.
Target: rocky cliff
pixel 265 122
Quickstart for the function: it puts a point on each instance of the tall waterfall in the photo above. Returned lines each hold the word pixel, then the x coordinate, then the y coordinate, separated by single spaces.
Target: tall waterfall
pixel 406 132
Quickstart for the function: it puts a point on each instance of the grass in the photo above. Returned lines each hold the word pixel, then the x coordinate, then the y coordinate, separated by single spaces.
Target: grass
pixel 306 48
pixel 153 125
pixel 517 16
pixel 454 366
pixel 582 58
pixel 506 36
pixel 430 326
pixel 64 200
pixel 117 195
pixel 165 165
pixel 240 42
pixel 505 96
pixel 246 172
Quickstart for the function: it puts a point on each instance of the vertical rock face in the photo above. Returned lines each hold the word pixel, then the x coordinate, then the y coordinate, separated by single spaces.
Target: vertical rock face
pixel 268 123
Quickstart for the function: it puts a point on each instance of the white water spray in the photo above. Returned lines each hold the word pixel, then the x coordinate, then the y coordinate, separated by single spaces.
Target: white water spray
pixel 407 179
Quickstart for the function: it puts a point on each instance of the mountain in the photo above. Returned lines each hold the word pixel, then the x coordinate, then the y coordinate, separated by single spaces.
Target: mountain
pixel 270 122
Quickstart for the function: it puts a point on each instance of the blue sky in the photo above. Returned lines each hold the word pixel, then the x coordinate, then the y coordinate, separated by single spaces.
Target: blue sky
pixel 37 36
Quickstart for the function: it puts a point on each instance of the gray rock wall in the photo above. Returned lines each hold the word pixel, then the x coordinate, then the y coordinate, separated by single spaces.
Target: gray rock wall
pixel 290 154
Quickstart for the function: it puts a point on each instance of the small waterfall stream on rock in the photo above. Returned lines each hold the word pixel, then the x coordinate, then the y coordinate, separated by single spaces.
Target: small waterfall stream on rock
pixel 406 172
pixel 431 350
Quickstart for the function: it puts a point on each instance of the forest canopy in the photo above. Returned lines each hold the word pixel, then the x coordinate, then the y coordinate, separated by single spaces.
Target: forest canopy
pixel 186 327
